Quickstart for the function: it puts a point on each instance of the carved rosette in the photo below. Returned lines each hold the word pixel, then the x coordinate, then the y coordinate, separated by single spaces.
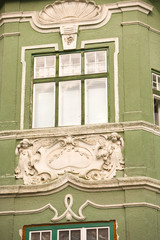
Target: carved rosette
pixel 91 158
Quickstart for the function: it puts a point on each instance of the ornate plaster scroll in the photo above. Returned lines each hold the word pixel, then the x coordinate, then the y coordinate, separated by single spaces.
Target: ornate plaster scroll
pixel 91 158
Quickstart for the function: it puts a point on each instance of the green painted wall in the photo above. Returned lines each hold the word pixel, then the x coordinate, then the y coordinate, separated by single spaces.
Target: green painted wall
pixel 132 222
pixel 139 53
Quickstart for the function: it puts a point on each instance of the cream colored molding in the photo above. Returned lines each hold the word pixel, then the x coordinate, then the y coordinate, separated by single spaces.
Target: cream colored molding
pixel 87 157
pixel 135 6
pixel 12 34
pixel 117 184
pixel 116 93
pixel 85 15
pixel 69 213
pixel 23 61
pixel 49 19
pixel 80 130
pixel 142 24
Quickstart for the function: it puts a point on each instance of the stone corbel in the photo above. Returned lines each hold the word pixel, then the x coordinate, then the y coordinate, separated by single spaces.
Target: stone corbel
pixel 69 36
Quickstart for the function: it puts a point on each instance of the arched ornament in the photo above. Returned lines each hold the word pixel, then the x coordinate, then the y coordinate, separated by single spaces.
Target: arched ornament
pixel 68 15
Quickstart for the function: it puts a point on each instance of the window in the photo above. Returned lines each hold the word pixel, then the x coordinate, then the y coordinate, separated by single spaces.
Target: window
pixel 40 235
pixel 156 97
pixel 70 89
pixel 78 231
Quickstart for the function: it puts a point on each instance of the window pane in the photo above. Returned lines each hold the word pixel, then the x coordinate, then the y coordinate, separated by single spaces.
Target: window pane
pixel 103 234
pixel 91 234
pixel 70 103
pixel 70 64
pixel 154 82
pixel 44 66
pixel 43 105
pixel 46 235
pixel 96 106
pixel 35 236
pixel 157 111
pixel 63 235
pixel 95 62
pixel 75 235
pixel 158 82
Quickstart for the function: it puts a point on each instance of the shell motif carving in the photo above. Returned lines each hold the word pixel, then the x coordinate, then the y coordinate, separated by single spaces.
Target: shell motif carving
pixel 91 158
pixel 69 11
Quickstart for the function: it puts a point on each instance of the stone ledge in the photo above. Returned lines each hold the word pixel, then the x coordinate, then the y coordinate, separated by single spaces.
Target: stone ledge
pixel 80 130
pixel 84 185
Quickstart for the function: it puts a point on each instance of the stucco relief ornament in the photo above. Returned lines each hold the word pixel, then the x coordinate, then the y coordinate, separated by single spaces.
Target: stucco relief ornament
pixel 68 15
pixel 70 11
pixel 92 158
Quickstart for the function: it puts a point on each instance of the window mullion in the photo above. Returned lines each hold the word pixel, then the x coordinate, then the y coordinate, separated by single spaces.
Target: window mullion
pixel 82 101
pixel 56 103
pixel 83 234
pixel 57 65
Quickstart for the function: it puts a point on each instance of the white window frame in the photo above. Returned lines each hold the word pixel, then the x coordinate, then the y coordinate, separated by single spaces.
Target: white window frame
pixel 85 59
pixel 60 65
pixel 41 231
pixel 45 66
pixel 86 121
pixel 156 97
pixel 79 76
pixel 83 232
pixel 157 84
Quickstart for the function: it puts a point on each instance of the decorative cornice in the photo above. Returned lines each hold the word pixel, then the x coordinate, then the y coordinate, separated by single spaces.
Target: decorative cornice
pixel 79 130
pixel 135 5
pixel 12 34
pixel 142 24
pixel 81 184
pixel 99 16
pixel 69 213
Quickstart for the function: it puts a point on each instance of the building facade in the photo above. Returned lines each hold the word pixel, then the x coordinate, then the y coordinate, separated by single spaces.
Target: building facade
pixel 79 120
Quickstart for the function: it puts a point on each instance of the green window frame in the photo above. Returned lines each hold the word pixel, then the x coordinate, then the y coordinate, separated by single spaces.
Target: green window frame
pixel 72 231
pixel 86 81
pixel 156 96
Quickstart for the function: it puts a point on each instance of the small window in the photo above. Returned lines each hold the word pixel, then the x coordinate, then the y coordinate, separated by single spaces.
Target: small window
pixel 156 97
pixel 157 110
pixel 95 62
pixel 67 92
pixel 156 81
pixel 70 234
pixel 45 67
pixel 75 231
pixel 70 64
pixel 40 235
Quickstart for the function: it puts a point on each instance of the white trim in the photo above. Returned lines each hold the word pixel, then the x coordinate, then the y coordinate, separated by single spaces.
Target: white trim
pixel 116 94
pixel 69 213
pixel 40 231
pixel 105 15
pixel 142 24
pixel 80 130
pixel 11 34
pixel 68 179
pixel 23 61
